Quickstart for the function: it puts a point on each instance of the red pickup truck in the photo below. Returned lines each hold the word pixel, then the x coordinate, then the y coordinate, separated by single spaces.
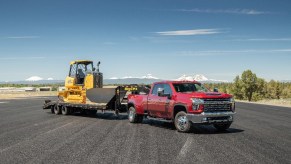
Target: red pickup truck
pixel 185 103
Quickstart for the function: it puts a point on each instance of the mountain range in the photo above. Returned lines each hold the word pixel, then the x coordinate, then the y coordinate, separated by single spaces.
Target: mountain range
pixel 147 79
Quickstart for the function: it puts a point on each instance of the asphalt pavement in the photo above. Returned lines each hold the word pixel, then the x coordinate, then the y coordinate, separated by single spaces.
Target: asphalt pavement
pixel 28 134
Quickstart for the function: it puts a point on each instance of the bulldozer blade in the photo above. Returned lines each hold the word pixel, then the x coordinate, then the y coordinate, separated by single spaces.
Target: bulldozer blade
pixel 101 95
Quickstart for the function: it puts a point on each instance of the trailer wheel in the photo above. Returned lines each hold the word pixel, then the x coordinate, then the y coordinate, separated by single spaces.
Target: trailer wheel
pixel 53 109
pixel 57 109
pixel 182 124
pixel 65 110
pixel 133 117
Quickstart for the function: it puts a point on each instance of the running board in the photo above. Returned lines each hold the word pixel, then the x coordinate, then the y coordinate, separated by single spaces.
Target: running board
pixel 159 119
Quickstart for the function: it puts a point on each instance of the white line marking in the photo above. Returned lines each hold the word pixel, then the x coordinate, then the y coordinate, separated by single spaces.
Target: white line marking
pixel 3 102
pixel 59 127
pixel 186 147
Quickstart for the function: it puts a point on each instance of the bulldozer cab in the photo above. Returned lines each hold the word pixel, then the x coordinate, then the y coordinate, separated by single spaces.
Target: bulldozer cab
pixel 79 70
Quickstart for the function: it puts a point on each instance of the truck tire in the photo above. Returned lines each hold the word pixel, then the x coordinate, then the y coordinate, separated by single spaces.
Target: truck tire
pixel 222 127
pixel 182 124
pixel 57 109
pixel 65 110
pixel 133 117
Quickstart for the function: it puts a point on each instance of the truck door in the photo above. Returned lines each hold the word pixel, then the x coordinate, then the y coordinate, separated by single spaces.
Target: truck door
pixel 153 100
pixel 158 106
pixel 164 103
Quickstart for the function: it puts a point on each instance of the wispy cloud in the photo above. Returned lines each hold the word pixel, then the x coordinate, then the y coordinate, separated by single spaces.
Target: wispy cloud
pixel 22 58
pixel 226 11
pixel 190 32
pixel 23 37
pixel 233 52
pixel 264 39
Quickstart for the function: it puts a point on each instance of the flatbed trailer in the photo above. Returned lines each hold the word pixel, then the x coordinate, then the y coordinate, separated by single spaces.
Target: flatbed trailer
pixel 114 99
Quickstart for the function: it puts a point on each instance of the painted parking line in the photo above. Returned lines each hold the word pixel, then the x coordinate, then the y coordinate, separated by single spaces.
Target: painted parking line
pixel 3 102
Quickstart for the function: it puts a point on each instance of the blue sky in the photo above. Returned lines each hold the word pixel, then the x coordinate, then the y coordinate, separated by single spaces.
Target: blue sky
pixel 166 38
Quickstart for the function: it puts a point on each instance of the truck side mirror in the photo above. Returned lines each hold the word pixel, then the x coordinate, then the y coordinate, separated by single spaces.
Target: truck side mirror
pixel 215 90
pixel 160 92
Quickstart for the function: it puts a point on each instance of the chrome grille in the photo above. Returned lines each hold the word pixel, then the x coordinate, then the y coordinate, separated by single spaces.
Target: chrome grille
pixel 216 105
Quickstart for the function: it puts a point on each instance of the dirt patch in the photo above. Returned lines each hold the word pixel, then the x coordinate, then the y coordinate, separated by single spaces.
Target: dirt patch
pixel 20 95
pixel 274 102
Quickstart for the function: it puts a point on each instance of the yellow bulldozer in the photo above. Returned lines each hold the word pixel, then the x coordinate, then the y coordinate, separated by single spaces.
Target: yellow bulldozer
pixel 82 77
pixel 84 92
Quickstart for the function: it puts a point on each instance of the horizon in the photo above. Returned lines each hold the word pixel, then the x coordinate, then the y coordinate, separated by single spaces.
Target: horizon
pixel 167 39
pixel 197 77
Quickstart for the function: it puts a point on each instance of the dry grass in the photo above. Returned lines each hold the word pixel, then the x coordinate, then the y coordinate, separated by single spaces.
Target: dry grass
pixel 19 95
pixel 275 102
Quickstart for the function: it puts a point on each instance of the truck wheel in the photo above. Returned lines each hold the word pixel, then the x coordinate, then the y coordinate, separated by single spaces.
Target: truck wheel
pixel 57 109
pixel 53 109
pixel 133 117
pixel 65 110
pixel 222 127
pixel 182 124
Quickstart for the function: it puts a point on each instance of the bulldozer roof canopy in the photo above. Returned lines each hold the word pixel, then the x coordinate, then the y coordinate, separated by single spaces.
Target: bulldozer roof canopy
pixel 81 62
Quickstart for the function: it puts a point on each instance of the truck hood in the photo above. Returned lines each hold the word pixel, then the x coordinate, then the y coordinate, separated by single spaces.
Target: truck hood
pixel 207 95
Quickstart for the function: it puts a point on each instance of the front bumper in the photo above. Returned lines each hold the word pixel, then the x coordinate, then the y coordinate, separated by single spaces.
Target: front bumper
pixel 209 118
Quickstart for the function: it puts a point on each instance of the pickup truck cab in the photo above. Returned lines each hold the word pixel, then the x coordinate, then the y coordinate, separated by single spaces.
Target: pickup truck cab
pixel 185 103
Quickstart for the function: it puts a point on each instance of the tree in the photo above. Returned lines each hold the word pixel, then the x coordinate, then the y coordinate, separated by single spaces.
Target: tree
pixel 249 84
pixel 261 91
pixel 274 89
pixel 237 88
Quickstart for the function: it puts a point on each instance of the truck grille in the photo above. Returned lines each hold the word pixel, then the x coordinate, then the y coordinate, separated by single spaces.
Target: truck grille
pixel 216 105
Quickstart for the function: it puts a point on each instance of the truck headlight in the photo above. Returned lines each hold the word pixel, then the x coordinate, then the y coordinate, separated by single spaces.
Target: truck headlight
pixel 196 103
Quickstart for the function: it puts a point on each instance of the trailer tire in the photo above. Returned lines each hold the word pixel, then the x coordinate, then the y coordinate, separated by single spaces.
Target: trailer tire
pixel 182 124
pixel 57 109
pixel 65 110
pixel 133 117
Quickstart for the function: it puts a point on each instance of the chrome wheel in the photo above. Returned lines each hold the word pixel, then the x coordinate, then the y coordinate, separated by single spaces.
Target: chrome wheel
pixel 182 122
pixel 131 114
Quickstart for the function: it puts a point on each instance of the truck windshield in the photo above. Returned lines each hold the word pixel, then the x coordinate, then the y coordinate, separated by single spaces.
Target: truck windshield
pixel 190 87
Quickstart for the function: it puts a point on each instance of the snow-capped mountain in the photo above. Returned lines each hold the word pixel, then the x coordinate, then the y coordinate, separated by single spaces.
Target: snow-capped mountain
pixel 200 78
pixel 147 79
pixel 34 78
pixel 148 76
pixel 185 78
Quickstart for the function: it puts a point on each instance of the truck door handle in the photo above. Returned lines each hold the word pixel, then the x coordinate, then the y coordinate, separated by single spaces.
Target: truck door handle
pixel 149 99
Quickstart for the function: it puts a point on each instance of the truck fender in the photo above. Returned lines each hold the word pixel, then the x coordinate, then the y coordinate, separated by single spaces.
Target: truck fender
pixel 130 104
pixel 179 107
